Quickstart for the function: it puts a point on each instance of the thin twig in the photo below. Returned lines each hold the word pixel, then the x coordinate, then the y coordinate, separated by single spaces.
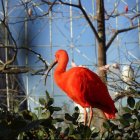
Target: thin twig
pixel 85 15
pixel 117 32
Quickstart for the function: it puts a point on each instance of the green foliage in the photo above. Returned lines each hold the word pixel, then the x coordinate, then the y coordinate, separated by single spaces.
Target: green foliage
pixel 131 102
pixel 27 125
pixel 76 130
pixel 128 124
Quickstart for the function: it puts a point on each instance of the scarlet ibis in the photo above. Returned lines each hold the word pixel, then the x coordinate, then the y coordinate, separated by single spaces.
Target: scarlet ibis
pixel 83 86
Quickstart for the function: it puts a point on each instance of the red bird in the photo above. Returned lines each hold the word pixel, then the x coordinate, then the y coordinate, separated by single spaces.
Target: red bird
pixel 83 86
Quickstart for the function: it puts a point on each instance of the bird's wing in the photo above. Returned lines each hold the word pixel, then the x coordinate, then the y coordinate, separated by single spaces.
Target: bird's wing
pixel 87 89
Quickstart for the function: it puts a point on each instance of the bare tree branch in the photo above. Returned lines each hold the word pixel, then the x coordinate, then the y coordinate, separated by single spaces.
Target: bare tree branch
pixel 127 94
pixel 34 17
pixel 4 22
pixel 85 15
pixel 3 10
pixel 69 4
pixel 117 32
pixel 137 15
pixel 111 15
pixel 7 67
pixel 50 3
pixel 15 70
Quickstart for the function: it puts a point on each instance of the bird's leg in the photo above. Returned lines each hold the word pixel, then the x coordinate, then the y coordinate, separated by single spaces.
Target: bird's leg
pixel 85 116
pixel 91 116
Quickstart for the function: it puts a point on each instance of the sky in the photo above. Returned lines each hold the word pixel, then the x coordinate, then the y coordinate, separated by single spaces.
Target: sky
pixel 60 31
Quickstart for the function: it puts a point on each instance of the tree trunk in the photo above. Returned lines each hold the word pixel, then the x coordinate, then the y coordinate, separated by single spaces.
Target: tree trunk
pixel 102 41
pixel 101 49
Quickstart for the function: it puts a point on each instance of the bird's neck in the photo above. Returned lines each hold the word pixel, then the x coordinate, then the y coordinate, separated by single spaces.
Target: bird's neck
pixel 61 66
pixel 60 70
pixel 59 73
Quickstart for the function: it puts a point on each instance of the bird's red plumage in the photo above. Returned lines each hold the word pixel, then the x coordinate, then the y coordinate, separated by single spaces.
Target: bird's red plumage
pixel 83 86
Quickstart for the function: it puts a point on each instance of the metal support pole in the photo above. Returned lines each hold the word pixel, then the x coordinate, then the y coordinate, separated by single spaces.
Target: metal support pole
pixel 118 49
pixel 50 25
pixel 6 56
pixel 95 41
pixel 26 59
pixel 137 6
pixel 117 38
pixel 71 31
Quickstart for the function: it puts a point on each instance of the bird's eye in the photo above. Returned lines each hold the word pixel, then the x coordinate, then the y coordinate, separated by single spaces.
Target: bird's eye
pixel 56 56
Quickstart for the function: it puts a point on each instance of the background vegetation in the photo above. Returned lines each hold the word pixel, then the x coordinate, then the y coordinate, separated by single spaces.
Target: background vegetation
pixel 43 125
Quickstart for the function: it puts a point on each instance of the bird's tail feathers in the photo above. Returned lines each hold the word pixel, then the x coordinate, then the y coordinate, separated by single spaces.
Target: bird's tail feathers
pixel 109 116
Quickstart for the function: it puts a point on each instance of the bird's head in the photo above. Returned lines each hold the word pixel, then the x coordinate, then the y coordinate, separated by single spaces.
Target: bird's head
pixel 60 56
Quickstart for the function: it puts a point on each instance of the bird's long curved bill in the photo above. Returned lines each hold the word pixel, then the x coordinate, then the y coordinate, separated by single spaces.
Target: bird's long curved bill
pixel 49 69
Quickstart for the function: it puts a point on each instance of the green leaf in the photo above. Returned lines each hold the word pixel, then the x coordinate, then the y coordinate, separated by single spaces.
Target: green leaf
pixel 75 115
pixel 50 108
pixel 117 132
pixel 126 116
pixel 68 117
pixel 131 102
pixel 57 109
pixel 131 120
pixel 135 136
pixel 16 106
pixel 34 116
pixel 39 108
pixel 106 125
pixel 66 131
pixel 137 124
pixel 138 117
pixel 137 106
pixel 50 101
pixel 40 134
pixel 127 109
pixel 126 135
pixel 47 95
pixel 95 134
pixel 54 121
pixel 124 123
pixel 87 132
pixel 59 119
pixel 76 109
pixel 59 130
pixel 136 112
pixel 27 115
pixel 32 124
pixel 42 101
pixel 105 135
pixel 76 136
pixel 45 115
pixel 71 130
pixel 52 134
